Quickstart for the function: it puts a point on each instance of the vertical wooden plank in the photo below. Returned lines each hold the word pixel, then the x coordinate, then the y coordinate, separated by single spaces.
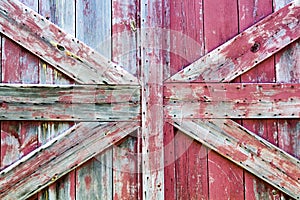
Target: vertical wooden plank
pixel 186 45
pixel 288 71
pixel 124 52
pixel 18 66
pixel 191 168
pixel 187 36
pixel 152 99
pixel 251 12
pixel 125 167
pixel 169 162
pixel 62 14
pixel 94 180
pixel 125 27
pixel 221 24
pixel 93 24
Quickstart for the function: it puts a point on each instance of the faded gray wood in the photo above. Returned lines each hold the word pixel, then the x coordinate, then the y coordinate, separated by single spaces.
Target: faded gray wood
pixel 59 156
pixel 61 50
pixel 59 12
pixel 93 26
pixel 247 150
pixel 69 103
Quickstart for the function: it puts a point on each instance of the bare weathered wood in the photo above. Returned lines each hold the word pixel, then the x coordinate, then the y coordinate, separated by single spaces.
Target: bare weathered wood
pixel 69 102
pixel 247 150
pixel 54 159
pixel 246 50
pixel 94 180
pixel 232 100
pixel 152 99
pixel 63 51
pixel 125 162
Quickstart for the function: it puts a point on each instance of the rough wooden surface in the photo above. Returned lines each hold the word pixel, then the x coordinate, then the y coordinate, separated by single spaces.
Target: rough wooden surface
pixel 185 159
pixel 152 99
pixel 58 48
pixel 126 156
pixel 232 100
pixel 246 50
pixel 57 157
pixel 93 26
pixel 247 150
pixel 69 103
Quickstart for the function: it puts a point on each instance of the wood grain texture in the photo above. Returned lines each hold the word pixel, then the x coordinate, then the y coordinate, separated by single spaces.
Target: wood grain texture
pixel 184 158
pixel 246 50
pixel 34 172
pixel 93 26
pixel 69 103
pixel 232 100
pixel 221 24
pixel 18 66
pixel 126 155
pixel 125 27
pixel 61 13
pixel 58 48
pixel 152 99
pixel 247 150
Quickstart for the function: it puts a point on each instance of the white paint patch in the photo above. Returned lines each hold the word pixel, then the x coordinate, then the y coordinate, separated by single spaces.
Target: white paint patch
pixel 297 2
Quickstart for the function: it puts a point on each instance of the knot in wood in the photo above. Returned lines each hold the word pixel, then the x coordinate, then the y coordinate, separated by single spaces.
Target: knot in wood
pixel 255 47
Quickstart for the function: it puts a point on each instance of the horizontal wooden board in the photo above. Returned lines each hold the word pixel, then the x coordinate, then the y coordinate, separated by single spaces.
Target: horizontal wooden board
pixel 247 150
pixel 59 156
pixel 232 100
pixel 62 50
pixel 246 50
pixel 69 102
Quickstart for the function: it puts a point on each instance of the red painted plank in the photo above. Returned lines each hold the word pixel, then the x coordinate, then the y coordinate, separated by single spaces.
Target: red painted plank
pixel 53 45
pixel 231 100
pixel 220 24
pixel 251 12
pixel 170 179
pixel 17 139
pixel 34 172
pixel 247 150
pixel 246 50
pixel 186 170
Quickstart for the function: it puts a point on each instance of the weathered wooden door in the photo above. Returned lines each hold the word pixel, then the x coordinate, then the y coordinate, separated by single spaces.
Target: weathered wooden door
pixel 159 103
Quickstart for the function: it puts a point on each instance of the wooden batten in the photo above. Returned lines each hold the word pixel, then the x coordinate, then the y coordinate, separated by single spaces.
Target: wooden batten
pixel 59 156
pixel 61 50
pixel 69 102
pixel 246 50
pixel 232 100
pixel 247 150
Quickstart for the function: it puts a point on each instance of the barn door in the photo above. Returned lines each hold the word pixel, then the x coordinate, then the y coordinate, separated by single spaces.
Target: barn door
pixel 157 103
